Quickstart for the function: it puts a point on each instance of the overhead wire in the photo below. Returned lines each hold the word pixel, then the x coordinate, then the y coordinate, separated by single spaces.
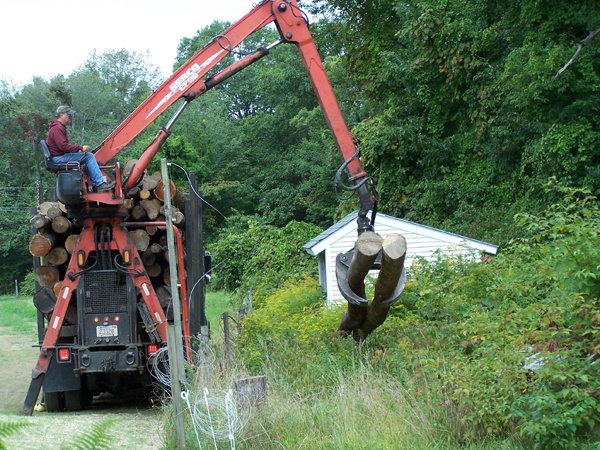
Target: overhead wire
pixel 194 190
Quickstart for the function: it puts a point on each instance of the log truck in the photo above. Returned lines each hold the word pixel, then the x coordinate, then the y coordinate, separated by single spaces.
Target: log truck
pixel 119 319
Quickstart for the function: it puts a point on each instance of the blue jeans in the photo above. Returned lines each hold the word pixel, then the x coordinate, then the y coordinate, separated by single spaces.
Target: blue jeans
pixel 85 158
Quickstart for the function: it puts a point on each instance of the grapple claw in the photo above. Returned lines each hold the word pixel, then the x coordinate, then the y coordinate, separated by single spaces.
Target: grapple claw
pixel 342 264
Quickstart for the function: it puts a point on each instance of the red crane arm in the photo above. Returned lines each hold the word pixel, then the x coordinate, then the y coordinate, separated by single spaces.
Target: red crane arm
pixel 186 79
pixel 189 82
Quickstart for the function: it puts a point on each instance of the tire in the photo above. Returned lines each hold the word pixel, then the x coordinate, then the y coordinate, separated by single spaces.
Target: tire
pixel 53 401
pixel 74 400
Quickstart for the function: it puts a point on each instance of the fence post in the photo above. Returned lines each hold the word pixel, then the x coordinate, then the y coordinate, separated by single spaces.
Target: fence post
pixel 226 338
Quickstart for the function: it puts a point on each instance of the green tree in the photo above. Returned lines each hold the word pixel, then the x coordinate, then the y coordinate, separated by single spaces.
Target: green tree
pixel 267 151
pixel 466 120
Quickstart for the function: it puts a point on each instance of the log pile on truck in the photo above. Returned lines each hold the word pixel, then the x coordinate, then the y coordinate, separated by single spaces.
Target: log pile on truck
pixel 56 235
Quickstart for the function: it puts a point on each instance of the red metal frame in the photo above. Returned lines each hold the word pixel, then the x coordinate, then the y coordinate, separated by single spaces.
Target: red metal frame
pixel 114 196
pixel 185 317
pixel 85 244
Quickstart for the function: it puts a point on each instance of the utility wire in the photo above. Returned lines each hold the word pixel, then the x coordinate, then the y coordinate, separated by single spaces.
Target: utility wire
pixel 194 190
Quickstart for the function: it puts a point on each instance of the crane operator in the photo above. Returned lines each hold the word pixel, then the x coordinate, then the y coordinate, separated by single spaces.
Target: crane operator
pixel 64 152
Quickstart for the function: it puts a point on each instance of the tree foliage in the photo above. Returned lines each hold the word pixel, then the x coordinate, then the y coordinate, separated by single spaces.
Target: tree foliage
pixel 459 113
pixel 103 91
pixel 262 257
pixel 466 120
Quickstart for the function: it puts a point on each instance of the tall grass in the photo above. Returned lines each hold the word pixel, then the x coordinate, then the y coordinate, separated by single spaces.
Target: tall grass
pixel 362 410
pixel 218 302
pixel 355 408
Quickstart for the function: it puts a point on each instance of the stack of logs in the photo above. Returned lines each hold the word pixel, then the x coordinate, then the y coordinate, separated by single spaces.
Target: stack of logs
pixel 56 236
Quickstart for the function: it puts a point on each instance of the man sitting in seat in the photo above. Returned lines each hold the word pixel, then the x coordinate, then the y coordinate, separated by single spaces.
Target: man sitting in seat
pixel 63 152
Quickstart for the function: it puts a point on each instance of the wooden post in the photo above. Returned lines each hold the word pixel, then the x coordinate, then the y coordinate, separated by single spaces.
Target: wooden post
pixel 173 350
pixel 226 341
pixel 37 262
pixel 251 391
pixel 196 286
pixel 174 334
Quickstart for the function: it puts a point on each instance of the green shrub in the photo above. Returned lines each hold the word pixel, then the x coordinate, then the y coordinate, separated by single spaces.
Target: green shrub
pixel 514 343
pixel 263 257
pixel 28 284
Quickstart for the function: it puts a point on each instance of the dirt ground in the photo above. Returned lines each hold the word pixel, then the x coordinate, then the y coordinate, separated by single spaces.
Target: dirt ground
pixel 136 425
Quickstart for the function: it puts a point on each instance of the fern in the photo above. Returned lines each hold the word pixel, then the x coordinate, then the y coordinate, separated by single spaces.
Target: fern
pixel 95 439
pixel 8 428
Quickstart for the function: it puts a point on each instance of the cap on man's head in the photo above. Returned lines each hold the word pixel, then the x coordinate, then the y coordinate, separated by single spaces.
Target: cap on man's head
pixel 64 110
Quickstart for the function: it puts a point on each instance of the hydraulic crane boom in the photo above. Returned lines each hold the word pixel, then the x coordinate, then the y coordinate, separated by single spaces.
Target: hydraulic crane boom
pixel 189 81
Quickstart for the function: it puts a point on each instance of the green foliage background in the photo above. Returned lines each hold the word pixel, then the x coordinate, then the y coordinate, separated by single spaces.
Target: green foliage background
pixel 460 116
pixel 464 125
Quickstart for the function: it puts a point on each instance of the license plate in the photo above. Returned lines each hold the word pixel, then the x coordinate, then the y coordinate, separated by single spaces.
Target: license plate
pixel 107 331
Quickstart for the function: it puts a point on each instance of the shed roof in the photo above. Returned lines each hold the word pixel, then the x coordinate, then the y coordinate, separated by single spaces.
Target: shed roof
pixel 317 244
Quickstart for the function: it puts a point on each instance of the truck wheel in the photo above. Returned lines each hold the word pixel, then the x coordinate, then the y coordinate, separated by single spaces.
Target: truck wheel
pixel 74 400
pixel 53 401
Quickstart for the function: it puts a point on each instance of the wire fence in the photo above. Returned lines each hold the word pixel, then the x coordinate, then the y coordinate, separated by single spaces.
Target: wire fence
pixel 16 203
pixel 15 199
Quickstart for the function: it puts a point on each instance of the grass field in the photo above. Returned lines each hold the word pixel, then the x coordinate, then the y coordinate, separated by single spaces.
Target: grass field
pixel 18 314
pixel 216 304
pixel 17 356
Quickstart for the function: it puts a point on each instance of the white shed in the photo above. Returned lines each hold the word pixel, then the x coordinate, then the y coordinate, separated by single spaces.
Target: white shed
pixel 422 242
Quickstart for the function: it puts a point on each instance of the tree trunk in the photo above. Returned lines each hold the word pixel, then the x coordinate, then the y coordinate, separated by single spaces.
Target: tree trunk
pixel 366 250
pixel 128 168
pixel 39 221
pixel 138 213
pixel 156 248
pixel 46 276
pixel 178 218
pixel 44 207
pixel 134 192
pixel 166 274
pixel 159 192
pixel 41 243
pixel 392 263
pixel 140 239
pixel 71 242
pixel 57 287
pixel 154 270
pixel 164 296
pixel 152 208
pixel 57 256
pixel 53 212
pixel 129 203
pixel 148 258
pixel 151 230
pixel 61 225
pixel 150 182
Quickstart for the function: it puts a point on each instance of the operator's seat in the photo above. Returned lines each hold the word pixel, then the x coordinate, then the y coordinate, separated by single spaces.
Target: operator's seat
pixel 51 166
